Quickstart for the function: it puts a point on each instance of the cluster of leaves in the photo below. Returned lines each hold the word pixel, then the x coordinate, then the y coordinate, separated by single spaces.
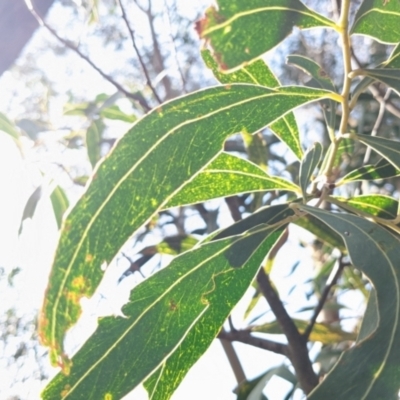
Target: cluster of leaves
pixel 174 156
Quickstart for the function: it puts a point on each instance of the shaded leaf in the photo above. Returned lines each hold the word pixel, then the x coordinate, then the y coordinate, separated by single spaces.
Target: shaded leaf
pixel 389 149
pixel 30 206
pixel 259 73
pixel 390 77
pixel 241 31
pixel 321 332
pixel 252 389
pixel 93 140
pixel 114 112
pixel 369 370
pixel 178 310
pixel 8 127
pixel 394 59
pixel 320 79
pixel 150 164
pixel 60 204
pixel 375 204
pixel 321 231
pixel 308 164
pixel 225 176
pixel 381 170
pixel 371 317
pixel 378 19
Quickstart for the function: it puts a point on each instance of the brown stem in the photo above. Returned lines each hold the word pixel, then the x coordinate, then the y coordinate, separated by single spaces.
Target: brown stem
pixel 298 351
pixel 244 336
pixel 332 280
pixel 233 360
pixel 77 51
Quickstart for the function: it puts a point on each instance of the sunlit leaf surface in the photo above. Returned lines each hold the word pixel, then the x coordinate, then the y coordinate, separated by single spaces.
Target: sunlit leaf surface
pixel 228 175
pixel 378 19
pixel 150 164
pixel 170 320
pixel 240 31
pixel 259 73
pixel 381 170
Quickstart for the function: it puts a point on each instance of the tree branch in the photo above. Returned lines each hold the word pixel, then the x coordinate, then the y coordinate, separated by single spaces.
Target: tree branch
pixel 142 64
pixel 244 336
pixel 298 351
pixel 331 282
pixel 138 98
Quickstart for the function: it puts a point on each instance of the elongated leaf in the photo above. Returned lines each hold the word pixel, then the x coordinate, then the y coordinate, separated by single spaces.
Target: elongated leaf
pixel 392 62
pixel 381 170
pixel 252 389
pixel 308 164
pixel 389 149
pixel 93 139
pixel 60 204
pixel 8 127
pixel 369 370
pixel 228 175
pixel 240 31
pixel 378 19
pixel 185 303
pixel 114 112
pixel 374 204
pixel 30 206
pixel 150 164
pixel 259 73
pixel 321 332
pixel 394 59
pixel 321 231
pixel 320 78
pixel 389 76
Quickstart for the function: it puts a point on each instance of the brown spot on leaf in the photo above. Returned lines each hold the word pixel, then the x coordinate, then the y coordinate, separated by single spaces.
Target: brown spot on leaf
pixel 172 305
pixel 89 258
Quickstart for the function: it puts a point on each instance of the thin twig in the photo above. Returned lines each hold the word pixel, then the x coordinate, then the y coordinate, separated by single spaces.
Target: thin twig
pixel 139 56
pixel 244 336
pixel 378 123
pixel 331 282
pixel 233 359
pixel 76 50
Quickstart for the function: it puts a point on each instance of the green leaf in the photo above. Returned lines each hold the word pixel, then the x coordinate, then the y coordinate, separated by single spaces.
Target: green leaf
pixel 150 164
pixel 30 206
pixel 308 164
pixel 225 176
pixel 60 204
pixel 390 77
pixel 115 113
pixel 378 19
pixel 8 127
pixel 320 77
pixel 389 149
pixel 368 370
pixel 324 333
pixel 170 320
pixel 375 204
pixel 321 231
pixel 240 31
pixel 381 170
pixel 253 389
pixel 371 317
pixel 394 59
pixel 93 140
pixel 259 73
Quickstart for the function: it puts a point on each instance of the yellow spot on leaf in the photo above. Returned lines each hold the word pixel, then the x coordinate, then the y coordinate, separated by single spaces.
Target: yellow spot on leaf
pixel 88 258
